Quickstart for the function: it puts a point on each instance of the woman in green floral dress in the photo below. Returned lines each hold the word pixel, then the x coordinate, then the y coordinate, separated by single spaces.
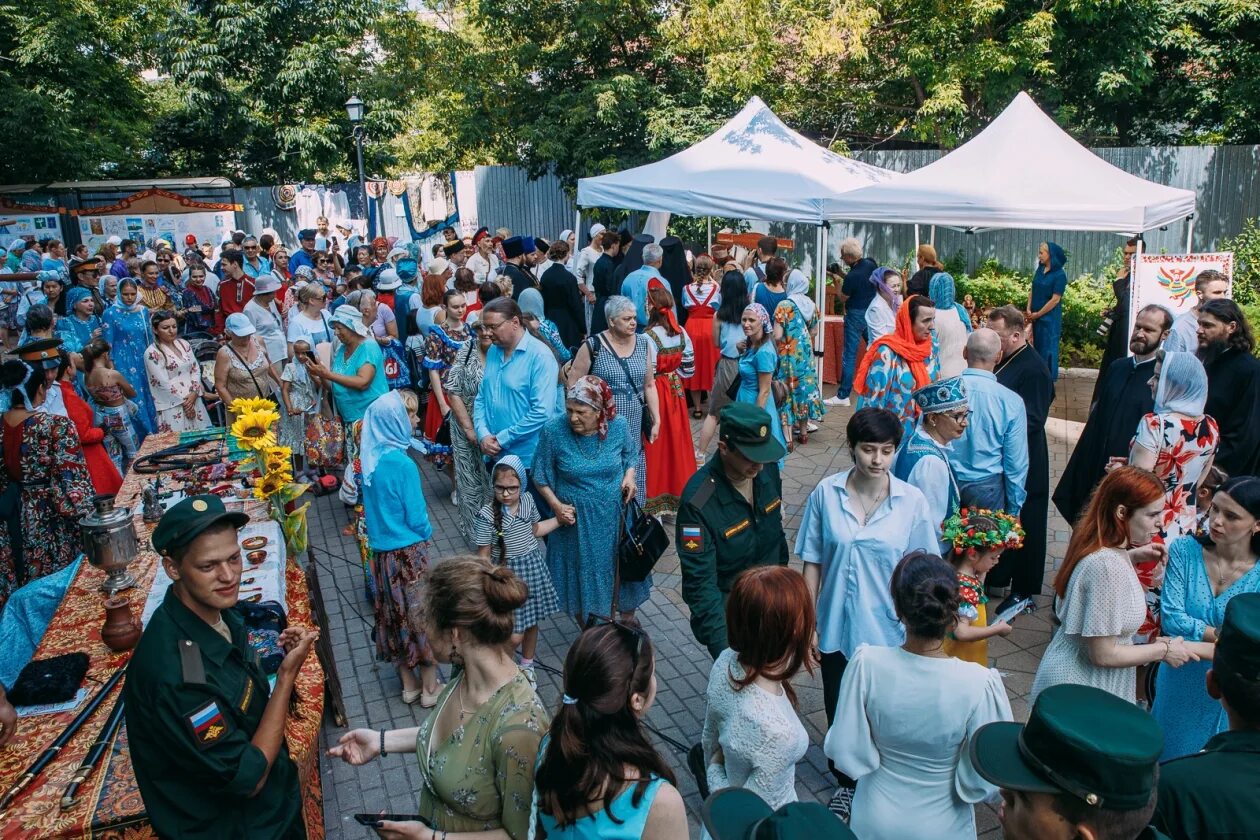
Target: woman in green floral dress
pixel 796 322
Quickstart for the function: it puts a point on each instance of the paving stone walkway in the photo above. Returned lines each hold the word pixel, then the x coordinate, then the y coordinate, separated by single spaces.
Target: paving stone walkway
pixel 372 691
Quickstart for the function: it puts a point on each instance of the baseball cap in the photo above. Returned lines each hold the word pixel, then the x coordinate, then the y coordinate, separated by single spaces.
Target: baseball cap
pixel 239 325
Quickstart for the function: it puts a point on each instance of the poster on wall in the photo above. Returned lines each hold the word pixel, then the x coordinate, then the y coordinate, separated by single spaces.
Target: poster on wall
pixel 146 229
pixel 29 226
pixel 1168 280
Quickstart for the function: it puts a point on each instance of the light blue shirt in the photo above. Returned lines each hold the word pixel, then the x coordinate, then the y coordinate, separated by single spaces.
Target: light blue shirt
pixel 730 336
pixel 351 403
pixel 264 267
pixel 394 509
pixel 517 397
pixel 1184 335
pixel 857 561
pixel 996 439
pixel 635 287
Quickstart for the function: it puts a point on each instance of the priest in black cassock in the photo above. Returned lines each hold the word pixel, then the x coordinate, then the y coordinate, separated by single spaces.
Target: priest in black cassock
pixel 1025 372
pixel 1226 347
pixel 1123 398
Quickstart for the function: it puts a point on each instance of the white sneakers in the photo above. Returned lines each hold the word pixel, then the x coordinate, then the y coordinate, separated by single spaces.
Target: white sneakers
pixel 837 401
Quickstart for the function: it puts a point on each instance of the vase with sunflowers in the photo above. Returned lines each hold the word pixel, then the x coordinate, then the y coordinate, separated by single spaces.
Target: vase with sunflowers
pixel 255 431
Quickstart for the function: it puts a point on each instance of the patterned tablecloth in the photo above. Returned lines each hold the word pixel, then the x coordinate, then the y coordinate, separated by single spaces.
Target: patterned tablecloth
pixel 109 803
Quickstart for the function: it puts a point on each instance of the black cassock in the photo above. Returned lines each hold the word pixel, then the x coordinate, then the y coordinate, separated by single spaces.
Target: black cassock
pixel 1026 373
pixel 1234 403
pixel 1124 398
pixel 1117 345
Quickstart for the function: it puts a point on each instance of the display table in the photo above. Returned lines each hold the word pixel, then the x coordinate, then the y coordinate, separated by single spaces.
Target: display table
pixel 109 804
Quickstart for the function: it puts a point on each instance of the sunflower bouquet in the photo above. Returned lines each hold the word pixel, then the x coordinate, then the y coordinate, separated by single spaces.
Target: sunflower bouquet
pixel 254 431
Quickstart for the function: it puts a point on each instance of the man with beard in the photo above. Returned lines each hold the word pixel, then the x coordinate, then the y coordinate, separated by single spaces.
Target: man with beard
pixel 1225 347
pixel 1184 338
pixel 1025 372
pixel 1124 398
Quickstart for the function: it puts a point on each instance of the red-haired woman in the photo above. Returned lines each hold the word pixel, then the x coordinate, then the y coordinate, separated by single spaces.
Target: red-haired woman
pixel 1099 601
pixel 671 458
pixel 752 735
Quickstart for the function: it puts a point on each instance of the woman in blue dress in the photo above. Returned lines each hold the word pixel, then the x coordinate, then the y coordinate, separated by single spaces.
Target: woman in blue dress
pixel 126 328
pixel 81 323
pixel 1045 304
pixel 1203 574
pixel 757 365
pixel 584 468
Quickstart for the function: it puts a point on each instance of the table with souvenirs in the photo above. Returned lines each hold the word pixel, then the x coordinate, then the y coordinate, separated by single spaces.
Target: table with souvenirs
pixel 108 802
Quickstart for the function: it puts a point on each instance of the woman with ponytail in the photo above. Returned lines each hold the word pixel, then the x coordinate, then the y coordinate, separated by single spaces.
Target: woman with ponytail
pixel 671 458
pixel 906 715
pixel 478 748
pixel 44 482
pixel 599 777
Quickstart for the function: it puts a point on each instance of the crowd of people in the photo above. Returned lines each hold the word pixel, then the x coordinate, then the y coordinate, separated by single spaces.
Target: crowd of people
pixel 555 385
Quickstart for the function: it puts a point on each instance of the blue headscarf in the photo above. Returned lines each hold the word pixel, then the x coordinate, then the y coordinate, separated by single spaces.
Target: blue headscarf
pixel 74 295
pixel 386 426
pixel 1183 385
pixel 877 279
pixel 941 290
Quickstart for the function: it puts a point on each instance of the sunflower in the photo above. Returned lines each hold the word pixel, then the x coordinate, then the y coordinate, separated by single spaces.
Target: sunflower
pixel 276 459
pixel 245 405
pixel 270 485
pixel 253 429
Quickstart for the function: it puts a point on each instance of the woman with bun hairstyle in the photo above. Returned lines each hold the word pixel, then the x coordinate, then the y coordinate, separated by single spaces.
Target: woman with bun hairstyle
pixel 477 750
pixel 599 776
pixel 44 483
pixel 906 715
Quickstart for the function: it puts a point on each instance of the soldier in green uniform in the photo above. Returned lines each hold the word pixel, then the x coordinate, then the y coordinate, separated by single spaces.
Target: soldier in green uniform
pixel 1084 767
pixel 730 518
pixel 205 730
pixel 1213 795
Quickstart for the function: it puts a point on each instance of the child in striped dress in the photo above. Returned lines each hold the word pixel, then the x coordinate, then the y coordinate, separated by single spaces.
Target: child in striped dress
pixel 507 531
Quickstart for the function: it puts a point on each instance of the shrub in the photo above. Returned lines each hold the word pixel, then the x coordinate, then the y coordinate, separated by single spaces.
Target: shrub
pixel 1246 248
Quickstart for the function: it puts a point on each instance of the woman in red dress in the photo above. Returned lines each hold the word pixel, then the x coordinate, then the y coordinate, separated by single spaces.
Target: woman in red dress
pixel 701 299
pixel 106 480
pixel 671 461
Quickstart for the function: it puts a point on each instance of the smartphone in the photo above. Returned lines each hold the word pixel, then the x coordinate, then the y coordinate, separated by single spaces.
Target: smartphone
pixel 372 820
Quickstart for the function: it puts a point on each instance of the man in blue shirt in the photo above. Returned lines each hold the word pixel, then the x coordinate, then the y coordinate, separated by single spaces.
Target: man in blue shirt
pixel 518 389
pixel 635 286
pixel 306 256
pixel 990 460
pixel 856 294
pixel 256 265
pixel 767 247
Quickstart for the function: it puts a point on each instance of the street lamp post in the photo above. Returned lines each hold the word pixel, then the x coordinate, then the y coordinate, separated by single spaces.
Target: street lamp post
pixel 354 110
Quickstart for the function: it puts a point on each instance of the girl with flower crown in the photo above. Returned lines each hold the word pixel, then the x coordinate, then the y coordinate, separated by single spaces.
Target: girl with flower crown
pixel 977 539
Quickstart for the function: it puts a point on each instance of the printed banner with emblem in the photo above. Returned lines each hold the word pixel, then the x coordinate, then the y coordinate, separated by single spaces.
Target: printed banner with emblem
pixel 1168 280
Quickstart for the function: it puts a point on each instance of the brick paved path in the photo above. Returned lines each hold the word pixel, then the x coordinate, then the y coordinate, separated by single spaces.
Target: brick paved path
pixel 372 691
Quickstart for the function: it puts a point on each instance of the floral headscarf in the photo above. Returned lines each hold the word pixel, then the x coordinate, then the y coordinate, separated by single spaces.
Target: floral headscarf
pixel 593 391
pixel 762 315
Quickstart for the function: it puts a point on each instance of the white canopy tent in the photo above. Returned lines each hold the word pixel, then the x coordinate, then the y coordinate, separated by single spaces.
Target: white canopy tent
pixel 1022 171
pixel 753 167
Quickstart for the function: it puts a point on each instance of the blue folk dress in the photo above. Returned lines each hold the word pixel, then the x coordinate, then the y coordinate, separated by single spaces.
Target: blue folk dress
pixel 128 332
pixel 751 363
pixel 1048 328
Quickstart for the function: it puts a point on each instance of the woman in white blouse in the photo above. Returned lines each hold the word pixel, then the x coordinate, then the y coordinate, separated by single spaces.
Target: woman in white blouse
pixel 881 315
pixel 174 377
pixel 752 735
pixel 906 715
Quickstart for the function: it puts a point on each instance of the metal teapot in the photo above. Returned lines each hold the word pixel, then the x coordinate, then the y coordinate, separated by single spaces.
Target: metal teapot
pixel 109 541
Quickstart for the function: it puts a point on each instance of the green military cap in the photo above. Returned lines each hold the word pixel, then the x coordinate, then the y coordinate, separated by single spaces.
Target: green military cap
pixel 182 523
pixel 1238 644
pixel 1079 740
pixel 747 428
pixel 739 814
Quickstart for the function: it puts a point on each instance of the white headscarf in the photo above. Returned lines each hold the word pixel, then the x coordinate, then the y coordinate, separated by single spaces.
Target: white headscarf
pixel 1182 387
pixel 798 292
pixel 386 426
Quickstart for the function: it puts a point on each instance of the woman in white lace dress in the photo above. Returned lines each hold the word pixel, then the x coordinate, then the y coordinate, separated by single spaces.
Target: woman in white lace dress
pixel 752 735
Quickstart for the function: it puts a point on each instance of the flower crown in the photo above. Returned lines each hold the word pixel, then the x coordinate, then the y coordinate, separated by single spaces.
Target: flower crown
pixel 963 530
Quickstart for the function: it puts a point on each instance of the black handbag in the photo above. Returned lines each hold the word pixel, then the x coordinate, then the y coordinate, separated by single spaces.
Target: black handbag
pixel 642 542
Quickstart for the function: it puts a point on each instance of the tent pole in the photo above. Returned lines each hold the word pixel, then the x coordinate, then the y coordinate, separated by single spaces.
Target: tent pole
pixel 1190 234
pixel 1133 290
pixel 932 236
pixel 708 224
pixel 820 300
pixel 577 228
pixel 916 245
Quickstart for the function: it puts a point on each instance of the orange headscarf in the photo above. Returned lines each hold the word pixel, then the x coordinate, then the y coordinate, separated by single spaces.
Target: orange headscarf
pixel 904 344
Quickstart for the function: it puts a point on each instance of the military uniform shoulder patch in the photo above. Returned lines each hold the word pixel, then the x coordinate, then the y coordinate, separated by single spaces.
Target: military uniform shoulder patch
pixel 693 538
pixel 207 723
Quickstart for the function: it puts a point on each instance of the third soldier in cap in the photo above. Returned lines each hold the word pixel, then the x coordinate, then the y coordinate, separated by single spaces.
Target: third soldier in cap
pixel 730 518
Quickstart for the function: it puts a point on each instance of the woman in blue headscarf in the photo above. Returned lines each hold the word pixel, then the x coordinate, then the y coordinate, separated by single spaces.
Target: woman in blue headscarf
pixel 126 327
pixel 1177 441
pixel 1045 304
pixel 81 323
pixel 953 325
pixel 398 533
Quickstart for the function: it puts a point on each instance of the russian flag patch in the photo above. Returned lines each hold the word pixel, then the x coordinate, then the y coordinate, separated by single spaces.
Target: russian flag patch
pixel 208 724
pixel 692 538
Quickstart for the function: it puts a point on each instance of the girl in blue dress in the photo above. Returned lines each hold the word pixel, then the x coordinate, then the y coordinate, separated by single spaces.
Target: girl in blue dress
pixel 127 329
pixel 757 365
pixel 1204 572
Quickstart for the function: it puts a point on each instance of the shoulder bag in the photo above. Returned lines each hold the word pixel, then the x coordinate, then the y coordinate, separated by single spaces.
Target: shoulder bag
pixel 646 419
pixel 642 542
